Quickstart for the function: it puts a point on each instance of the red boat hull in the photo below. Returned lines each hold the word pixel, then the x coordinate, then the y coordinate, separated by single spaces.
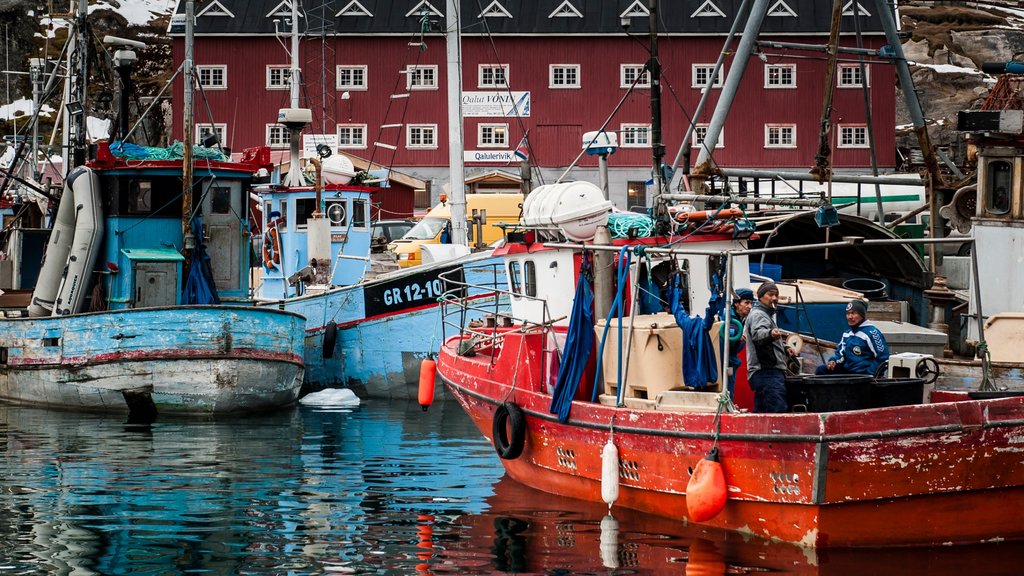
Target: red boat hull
pixel 946 472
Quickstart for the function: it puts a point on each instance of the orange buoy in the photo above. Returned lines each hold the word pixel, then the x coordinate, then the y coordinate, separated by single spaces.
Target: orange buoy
pixel 706 492
pixel 702 215
pixel 426 394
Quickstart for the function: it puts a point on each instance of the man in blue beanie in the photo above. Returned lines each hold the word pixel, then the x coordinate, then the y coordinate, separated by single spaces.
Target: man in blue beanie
pixel 741 305
pixel 766 353
pixel 862 349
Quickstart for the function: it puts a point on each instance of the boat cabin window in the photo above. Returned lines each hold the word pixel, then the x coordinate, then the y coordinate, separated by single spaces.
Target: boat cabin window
pixel 530 269
pixel 220 200
pixel 133 196
pixel 140 197
pixel 304 208
pixel 514 279
pixel 359 213
pixel 337 212
pixel 997 188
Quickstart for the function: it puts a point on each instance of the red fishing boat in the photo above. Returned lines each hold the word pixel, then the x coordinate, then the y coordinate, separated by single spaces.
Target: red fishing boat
pixel 577 409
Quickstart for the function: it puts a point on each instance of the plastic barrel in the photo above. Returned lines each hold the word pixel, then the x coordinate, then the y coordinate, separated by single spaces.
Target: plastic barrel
pixel 871 289
pixel 837 392
pixel 897 392
pixel 796 395
pixel 773 271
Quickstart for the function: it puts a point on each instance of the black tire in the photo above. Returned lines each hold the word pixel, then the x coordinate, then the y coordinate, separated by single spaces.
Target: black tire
pixel 509 431
pixel 330 337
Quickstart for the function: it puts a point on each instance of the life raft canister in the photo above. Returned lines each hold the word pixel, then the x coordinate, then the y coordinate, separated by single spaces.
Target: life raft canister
pixel 509 431
pixel 428 369
pixel 271 246
pixel 706 491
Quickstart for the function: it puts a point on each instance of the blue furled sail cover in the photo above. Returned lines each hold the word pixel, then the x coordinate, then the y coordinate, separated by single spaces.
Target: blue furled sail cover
pixel 199 286
pixel 578 344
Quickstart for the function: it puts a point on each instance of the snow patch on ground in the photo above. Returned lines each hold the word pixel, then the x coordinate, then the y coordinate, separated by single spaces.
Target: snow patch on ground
pixel 22 110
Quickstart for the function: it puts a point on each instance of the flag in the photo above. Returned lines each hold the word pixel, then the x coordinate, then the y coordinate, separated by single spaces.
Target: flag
pixel 523 150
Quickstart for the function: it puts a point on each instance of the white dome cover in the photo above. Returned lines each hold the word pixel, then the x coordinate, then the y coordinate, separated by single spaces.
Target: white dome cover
pixel 337 169
pixel 577 208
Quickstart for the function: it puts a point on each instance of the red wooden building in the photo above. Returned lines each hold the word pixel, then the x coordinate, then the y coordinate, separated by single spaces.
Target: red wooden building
pixel 566 63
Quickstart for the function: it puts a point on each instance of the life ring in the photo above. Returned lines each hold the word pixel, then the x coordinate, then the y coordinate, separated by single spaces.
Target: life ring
pixel 330 335
pixel 509 431
pixel 271 247
pixel 733 338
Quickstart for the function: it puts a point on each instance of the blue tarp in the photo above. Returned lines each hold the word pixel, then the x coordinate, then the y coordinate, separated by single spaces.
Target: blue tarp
pixel 199 286
pixel 578 344
pixel 699 363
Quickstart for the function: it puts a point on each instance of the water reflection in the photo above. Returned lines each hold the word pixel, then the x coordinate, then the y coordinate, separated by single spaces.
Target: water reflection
pixel 382 489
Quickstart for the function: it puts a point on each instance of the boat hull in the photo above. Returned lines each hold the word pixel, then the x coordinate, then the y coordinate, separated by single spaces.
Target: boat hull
pixel 181 360
pixel 381 334
pixel 949 472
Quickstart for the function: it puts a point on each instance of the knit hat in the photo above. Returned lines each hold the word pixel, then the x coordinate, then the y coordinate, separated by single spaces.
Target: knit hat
pixel 766 288
pixel 744 294
pixel 858 306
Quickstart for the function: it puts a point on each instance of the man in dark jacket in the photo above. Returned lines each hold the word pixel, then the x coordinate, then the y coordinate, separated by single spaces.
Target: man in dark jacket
pixel 766 353
pixel 862 349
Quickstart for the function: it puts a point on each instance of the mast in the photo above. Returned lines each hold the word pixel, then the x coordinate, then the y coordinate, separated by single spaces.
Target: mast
pixel 188 240
pixel 77 92
pixel 657 146
pixel 294 174
pixel 457 179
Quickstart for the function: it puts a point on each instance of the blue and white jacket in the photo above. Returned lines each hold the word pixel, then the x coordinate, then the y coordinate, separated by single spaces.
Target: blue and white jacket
pixel 862 349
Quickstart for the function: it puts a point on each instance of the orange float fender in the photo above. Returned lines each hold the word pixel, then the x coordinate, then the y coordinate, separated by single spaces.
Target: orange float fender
pixel 428 368
pixel 271 247
pixel 702 215
pixel 706 492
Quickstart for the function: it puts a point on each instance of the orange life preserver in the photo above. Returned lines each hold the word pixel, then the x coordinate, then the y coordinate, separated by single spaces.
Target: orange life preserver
pixel 701 215
pixel 271 247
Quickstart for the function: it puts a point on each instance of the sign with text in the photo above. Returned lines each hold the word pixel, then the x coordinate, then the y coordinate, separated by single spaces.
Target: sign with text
pixel 496 104
pixel 503 156
pixel 310 142
pixel 408 291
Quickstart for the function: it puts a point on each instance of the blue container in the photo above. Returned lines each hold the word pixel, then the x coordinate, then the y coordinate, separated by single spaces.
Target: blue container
pixel 773 271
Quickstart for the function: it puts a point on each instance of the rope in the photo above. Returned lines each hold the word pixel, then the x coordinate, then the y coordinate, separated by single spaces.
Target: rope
pixel 619 225
pixel 986 382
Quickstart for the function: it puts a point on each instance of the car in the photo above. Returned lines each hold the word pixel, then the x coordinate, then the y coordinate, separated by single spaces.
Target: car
pixel 387 231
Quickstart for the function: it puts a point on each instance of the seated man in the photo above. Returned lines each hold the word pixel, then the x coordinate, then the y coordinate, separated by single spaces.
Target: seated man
pixel 862 349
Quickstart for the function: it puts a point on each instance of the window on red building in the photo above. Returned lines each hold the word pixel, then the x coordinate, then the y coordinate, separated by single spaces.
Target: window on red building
pixel 493 76
pixel 853 137
pixel 850 76
pixel 213 77
pixel 351 78
pixel 702 76
pixel 630 73
pixel 780 76
pixel 636 135
pixel 421 78
pixel 277 136
pixel 492 135
pixel 636 196
pixel 278 77
pixel 351 135
pixel 780 136
pixel 564 76
pixel 420 136
pixel 700 131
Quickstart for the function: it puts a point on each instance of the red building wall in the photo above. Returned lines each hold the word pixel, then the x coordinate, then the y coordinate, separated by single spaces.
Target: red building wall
pixel 558 117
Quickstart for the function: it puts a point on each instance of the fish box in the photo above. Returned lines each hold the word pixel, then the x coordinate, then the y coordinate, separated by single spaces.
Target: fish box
pixel 831 392
pixel 896 392
pixel 655 355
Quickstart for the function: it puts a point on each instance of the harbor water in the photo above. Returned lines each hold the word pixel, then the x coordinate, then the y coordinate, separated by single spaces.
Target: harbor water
pixel 379 489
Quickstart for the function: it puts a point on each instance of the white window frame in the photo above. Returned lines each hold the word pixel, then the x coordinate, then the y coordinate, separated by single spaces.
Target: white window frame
pixel 782 68
pixel 769 128
pixel 635 135
pixel 629 71
pixel 839 76
pixel 340 71
pixel 413 72
pixel 361 128
pixel 482 73
pixel 286 72
pixel 431 128
pixel 204 128
pixel 846 136
pixel 211 68
pixel 487 135
pixel 706 69
pixel 702 129
pixel 553 68
pixel 270 132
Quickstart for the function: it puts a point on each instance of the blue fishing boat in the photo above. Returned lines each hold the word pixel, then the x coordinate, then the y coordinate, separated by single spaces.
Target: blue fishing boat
pixel 365 329
pixel 141 303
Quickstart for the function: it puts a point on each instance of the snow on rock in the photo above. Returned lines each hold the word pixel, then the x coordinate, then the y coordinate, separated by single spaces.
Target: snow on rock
pixel 22 109
pixel 331 397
